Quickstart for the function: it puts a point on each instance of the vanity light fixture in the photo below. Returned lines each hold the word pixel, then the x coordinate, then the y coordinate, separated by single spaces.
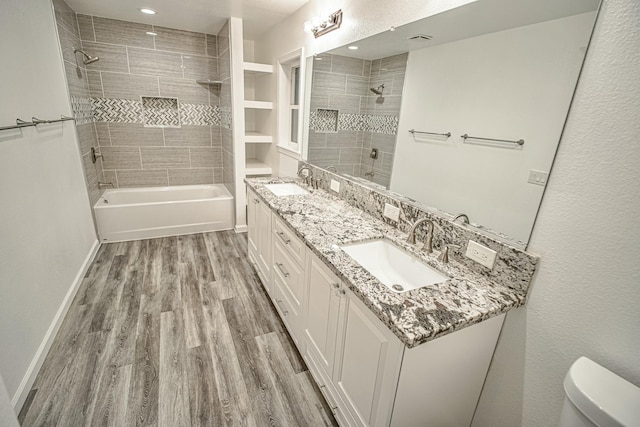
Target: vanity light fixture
pixel 148 11
pixel 322 26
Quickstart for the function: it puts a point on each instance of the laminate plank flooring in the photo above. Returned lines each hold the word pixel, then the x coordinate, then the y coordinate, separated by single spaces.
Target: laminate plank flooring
pixel 176 331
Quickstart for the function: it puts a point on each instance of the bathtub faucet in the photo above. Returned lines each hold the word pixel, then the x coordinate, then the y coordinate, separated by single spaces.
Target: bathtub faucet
pixel 105 184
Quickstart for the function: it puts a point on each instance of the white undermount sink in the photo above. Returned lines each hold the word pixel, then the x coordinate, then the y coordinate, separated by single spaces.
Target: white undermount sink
pixel 286 189
pixel 394 267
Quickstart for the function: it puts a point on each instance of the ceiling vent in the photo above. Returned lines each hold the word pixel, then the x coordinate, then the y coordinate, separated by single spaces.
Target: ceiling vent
pixel 420 37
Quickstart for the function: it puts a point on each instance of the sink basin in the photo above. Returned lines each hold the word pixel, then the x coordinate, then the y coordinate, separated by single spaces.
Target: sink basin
pixel 286 189
pixel 397 269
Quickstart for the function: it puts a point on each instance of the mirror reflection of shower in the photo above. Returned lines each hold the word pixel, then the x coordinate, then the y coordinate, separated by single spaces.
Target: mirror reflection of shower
pixel 374 156
pixel 380 92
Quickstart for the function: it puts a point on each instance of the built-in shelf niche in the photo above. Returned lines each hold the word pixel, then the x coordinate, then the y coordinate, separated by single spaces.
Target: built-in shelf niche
pixel 160 112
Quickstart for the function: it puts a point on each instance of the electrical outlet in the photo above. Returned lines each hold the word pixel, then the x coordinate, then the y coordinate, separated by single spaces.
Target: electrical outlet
pixel 481 254
pixel 335 185
pixel 391 212
pixel 538 177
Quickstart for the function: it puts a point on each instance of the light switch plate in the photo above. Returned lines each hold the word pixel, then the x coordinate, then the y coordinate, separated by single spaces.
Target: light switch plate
pixel 391 212
pixel 335 185
pixel 481 254
pixel 538 177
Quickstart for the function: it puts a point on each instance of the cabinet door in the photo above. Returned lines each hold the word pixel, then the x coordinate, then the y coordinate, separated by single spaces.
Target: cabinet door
pixel 321 314
pixel 252 237
pixel 368 366
pixel 263 225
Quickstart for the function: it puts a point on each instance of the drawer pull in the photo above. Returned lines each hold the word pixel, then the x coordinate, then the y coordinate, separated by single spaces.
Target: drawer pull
pixel 284 311
pixel 256 201
pixel 281 236
pixel 336 285
pixel 282 270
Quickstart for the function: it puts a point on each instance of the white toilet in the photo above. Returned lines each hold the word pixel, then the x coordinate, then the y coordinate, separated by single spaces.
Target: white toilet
pixel 596 397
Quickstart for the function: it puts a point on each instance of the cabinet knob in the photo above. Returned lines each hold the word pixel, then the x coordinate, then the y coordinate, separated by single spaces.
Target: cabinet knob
pixel 256 201
pixel 335 285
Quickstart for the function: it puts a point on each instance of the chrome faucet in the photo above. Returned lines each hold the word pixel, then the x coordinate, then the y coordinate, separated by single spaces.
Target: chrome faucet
pixel 444 255
pixel 308 179
pixel 428 244
pixel 465 218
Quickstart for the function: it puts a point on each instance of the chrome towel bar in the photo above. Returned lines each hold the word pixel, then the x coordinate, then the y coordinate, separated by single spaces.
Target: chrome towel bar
pixel 519 142
pixel 34 122
pixel 413 132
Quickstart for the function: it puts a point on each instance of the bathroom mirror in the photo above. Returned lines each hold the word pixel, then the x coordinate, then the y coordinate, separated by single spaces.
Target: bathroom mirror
pixel 461 111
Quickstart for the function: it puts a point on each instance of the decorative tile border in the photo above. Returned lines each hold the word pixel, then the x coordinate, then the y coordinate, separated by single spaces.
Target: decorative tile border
pixel 82 111
pixel 160 112
pixel 131 111
pixel 331 121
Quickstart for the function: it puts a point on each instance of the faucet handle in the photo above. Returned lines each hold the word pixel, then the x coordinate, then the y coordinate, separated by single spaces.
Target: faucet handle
pixel 444 255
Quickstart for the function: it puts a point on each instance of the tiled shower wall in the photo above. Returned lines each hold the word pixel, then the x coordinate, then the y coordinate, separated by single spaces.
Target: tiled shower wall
pixel 69 34
pixel 136 61
pixel 224 66
pixel 364 120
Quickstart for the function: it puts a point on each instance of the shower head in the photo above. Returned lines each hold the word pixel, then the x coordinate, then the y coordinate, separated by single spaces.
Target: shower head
pixel 378 90
pixel 88 59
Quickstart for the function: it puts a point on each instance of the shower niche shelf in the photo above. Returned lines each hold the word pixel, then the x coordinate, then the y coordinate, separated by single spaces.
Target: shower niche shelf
pixel 210 82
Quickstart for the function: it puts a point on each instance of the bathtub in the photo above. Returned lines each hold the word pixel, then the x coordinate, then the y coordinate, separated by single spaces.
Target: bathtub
pixel 143 213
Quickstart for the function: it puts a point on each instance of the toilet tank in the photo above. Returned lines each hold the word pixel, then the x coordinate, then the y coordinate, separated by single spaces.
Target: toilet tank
pixel 596 396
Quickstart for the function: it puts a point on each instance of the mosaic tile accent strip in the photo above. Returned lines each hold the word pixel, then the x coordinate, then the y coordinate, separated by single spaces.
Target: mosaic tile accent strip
pixel 330 121
pixel 117 110
pixel 225 117
pixel 200 115
pixel 82 111
pixel 324 121
pixel 160 112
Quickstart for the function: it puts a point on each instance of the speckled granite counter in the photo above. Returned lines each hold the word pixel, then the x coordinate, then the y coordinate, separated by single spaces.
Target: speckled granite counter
pixel 325 222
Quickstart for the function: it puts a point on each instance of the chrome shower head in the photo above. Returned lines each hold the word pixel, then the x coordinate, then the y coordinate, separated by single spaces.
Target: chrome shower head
pixel 378 90
pixel 88 58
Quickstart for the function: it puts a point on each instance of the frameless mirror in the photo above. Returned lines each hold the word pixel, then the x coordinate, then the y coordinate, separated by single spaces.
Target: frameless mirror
pixel 461 111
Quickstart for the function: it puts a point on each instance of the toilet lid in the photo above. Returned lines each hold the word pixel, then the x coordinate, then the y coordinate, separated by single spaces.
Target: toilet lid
pixel 602 396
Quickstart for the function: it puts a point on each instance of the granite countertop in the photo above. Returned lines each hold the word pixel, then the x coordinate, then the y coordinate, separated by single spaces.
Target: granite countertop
pixel 325 222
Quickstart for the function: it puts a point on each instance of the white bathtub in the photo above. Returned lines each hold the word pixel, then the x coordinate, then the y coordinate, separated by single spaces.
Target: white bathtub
pixel 144 213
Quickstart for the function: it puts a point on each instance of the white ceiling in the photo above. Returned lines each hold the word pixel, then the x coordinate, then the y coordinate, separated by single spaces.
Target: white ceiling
pixel 204 16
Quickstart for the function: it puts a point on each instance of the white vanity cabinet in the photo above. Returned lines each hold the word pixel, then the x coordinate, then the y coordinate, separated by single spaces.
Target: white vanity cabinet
pixel 259 236
pixel 367 375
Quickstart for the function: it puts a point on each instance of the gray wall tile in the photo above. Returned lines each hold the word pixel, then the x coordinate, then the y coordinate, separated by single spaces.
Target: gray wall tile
pixel 129 86
pixel 190 176
pixel 121 158
pixel 135 135
pixel 165 157
pixel 212 45
pixel 112 58
pixel 154 63
pixel 76 80
pixel 180 41
pixel 350 155
pixel 187 91
pixel 358 85
pixel 328 83
pixel 102 131
pixel 346 65
pixel 223 38
pixel 200 67
pixel 206 157
pixel 122 32
pixel 85 23
pixel 330 156
pixel 188 136
pixel 143 178
pixel 394 63
pixel 322 62
pixel 346 104
pixel 95 83
pixel 66 16
pixel 216 136
pixel 343 138
pixel 110 176
pixel 218 176
pixel 86 137
pixel 68 40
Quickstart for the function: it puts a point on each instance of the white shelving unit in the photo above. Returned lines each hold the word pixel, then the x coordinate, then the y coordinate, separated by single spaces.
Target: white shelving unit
pixel 258 119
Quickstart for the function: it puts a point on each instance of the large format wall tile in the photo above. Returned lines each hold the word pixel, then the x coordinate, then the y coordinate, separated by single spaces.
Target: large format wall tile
pixel 128 86
pixel 165 157
pixel 85 24
pixel 187 91
pixel 212 45
pixel 154 63
pixel 112 57
pixel 121 32
pixel 188 136
pixel 121 158
pixel 142 178
pixel 191 176
pixel 135 135
pixel 180 41
pixel 204 157
pixel 200 67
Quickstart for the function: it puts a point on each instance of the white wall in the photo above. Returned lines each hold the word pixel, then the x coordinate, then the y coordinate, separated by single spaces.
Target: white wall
pixel 45 220
pixel 7 415
pixel 510 84
pixel 584 300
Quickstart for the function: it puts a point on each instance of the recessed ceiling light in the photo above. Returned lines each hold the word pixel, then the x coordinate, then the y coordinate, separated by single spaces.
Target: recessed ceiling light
pixel 148 11
pixel 353 48
pixel 151 33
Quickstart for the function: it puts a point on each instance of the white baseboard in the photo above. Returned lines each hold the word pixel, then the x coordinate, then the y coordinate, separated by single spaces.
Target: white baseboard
pixel 34 367
pixel 241 228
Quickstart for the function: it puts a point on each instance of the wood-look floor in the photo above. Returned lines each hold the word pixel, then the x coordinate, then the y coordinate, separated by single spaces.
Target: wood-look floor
pixel 175 331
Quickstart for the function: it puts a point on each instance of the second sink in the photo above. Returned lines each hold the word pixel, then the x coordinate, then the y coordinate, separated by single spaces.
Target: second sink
pixel 394 267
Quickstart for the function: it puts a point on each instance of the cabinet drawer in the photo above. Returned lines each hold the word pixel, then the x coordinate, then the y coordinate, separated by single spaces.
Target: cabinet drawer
pixel 291 242
pixel 289 272
pixel 289 313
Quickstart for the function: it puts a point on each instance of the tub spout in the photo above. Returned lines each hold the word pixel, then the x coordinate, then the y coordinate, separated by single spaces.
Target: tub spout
pixel 105 184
